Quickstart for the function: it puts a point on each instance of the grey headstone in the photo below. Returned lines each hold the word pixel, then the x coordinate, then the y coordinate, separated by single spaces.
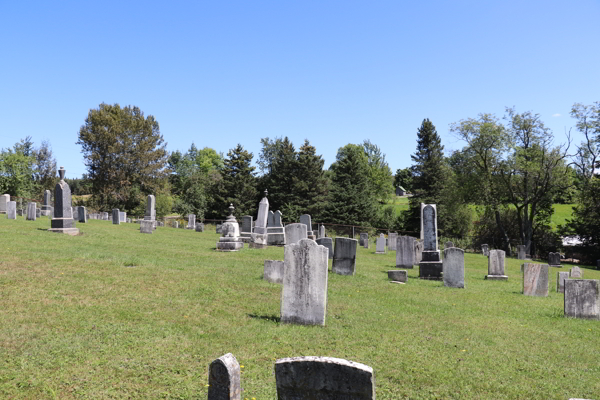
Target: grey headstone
pixel 304 294
pixel 247 223
pixel 429 227
pixel 327 242
pixel 271 219
pixel 31 214
pixel 418 251
pixel 449 244
pixel 122 216
pixel 561 277
pixel 576 272
pixel 62 219
pixel 199 227
pixel 399 275
pixel 322 231
pixel 273 271
pixel 554 259
pixel 392 240
pixel 82 213
pixel 380 245
pixel 38 212
pixel 4 199
pixel 344 256
pixel 11 210
pixel 364 240
pixel 306 220
pixel 150 208
pixel 496 265
pixel 582 298
pixel 405 252
pixel 277 217
pixel 46 203
pixel 176 224
pixel 191 221
pixel 116 216
pixel 454 267
pixel 105 216
pixel 485 250
pixel 224 382
pixel 295 232
pixel 521 252
pixel 263 215
pixel 535 280
pixel 146 226
pixel 323 378
pixel 75 211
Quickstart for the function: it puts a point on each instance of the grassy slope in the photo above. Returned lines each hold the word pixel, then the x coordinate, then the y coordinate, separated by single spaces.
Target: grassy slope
pixel 76 323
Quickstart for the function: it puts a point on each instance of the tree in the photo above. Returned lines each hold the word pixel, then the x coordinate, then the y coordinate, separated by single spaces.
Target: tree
pixel 125 155
pixel 44 171
pixel 16 170
pixel 278 160
pixel 310 185
pixel 380 173
pixel 239 183
pixel 404 178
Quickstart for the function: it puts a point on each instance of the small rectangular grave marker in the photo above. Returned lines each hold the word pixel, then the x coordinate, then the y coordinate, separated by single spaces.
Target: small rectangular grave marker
pixel 535 280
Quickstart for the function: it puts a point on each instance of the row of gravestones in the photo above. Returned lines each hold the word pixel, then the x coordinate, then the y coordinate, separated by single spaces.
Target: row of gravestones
pixel 553 258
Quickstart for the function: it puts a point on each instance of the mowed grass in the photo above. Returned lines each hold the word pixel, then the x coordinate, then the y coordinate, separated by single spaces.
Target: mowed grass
pixel 116 314
pixel 562 212
pixel 400 203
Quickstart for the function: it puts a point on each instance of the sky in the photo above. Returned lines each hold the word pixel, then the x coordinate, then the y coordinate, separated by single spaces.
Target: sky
pixel 221 73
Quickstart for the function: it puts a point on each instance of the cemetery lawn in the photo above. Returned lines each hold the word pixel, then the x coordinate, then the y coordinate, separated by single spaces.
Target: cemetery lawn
pixel 117 314
pixel 562 212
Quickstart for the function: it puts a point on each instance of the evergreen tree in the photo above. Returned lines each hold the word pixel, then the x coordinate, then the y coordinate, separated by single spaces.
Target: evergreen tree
pixel 279 161
pixel 310 186
pixel 239 183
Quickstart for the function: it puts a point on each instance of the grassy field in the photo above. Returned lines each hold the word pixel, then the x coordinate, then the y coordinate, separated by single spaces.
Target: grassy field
pixel 115 314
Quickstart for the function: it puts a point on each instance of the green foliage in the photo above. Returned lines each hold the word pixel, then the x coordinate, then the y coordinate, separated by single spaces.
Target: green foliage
pixel 16 171
pixel 404 178
pixel 164 204
pixel 238 186
pixel 380 174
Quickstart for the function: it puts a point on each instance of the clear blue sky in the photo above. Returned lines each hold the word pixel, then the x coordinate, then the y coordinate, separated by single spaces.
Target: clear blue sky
pixel 335 72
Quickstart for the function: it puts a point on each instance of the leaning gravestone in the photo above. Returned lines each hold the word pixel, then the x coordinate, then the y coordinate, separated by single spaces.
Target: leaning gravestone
pixel 535 280
pixel 392 241
pixel 454 267
pixel 11 210
pixel 62 220
pixel 273 271
pixel 582 298
pixel 146 226
pixel 496 266
pixel 327 242
pixel 405 252
pixel 116 216
pixel 380 245
pixel 191 221
pixel 485 250
pixel 561 277
pixel 521 249
pixel 295 232
pixel 306 220
pixel 31 214
pixel 554 259
pixel 224 382
pixel 323 378
pixel 431 266
pixel 576 272
pixel 4 199
pixel 304 294
pixel 259 238
pixel 344 256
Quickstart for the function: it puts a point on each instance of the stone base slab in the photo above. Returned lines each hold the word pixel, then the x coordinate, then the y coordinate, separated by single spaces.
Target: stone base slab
pixel 397 275
pixel 496 277
pixel 230 245
pixel 254 245
pixel 66 231
pixel 276 239
pixel 431 270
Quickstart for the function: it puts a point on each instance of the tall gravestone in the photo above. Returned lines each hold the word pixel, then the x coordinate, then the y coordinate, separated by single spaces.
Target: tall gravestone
pixel 294 233
pixel 431 266
pixel 380 244
pixel 535 280
pixel 31 211
pixel 306 220
pixel 11 210
pixel 323 378
pixel 150 214
pixel 230 234
pixel 4 199
pixel 273 271
pixel 454 267
pixel 191 223
pixel 122 216
pixel 116 216
pixel 344 256
pixel 554 260
pixel 62 221
pixel 521 252
pixel 46 203
pixel 224 379
pixel 259 238
pixel 561 277
pixel 275 232
pixel 582 298
pixel 304 294
pixel 327 242
pixel 496 266
pixel 392 241
pixel 405 252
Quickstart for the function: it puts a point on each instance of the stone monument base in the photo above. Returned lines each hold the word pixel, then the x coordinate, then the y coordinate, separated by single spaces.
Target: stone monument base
pixel 259 241
pixel 276 239
pixel 555 266
pixel 66 231
pixel 229 244
pixel 431 270
pixel 496 277
pixel 313 237
pixel 254 245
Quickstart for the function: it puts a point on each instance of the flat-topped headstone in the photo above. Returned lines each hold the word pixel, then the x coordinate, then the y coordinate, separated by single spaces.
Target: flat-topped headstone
pixel 392 241
pixel 327 242
pixel 304 294
pixel 380 245
pixel 75 213
pixel 582 298
pixel 105 216
pixel 273 271
pixel 454 267
pixel 146 226
pixel 295 232
pixel 116 216
pixel 122 216
pixel 554 259
pixel 397 275
pixel 344 256
pixel 485 250
pixel 306 220
pixel 496 265
pixel 561 277
pixel 247 224
pixel 191 221
pixel 4 199
pixel 521 252
pixel 11 210
pixel 31 214
pixel 535 280
pixel 576 272
pixel 323 378
pixel 448 244
pixel 405 252
pixel 46 202
pixel 224 379
pixel 62 217
pixel 199 227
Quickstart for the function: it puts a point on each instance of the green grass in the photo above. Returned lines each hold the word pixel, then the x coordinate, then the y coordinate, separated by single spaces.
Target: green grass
pixel 400 203
pixel 116 314
pixel 562 212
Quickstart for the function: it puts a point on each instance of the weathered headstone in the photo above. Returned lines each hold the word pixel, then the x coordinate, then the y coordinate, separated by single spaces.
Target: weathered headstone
pixel 398 275
pixel 46 202
pixel 364 240
pixel 321 231
pixel 230 236
pixel 116 216
pixel 224 382
pixel 270 219
pixel 327 242
pixel 485 250
pixel 146 226
pixel 576 272
pixel 247 224
pixel 275 232
pixel 323 378
pixel 176 224
pixel 454 267
pixel 31 214
pixel 392 241
pixel 405 252
pixel 75 213
pixel 448 245
pixel 344 256
pixel 273 271
pixel 418 251
pixel 105 216
pixel 535 280
pixel 306 220
pixel 11 210
pixel 521 249
pixel 582 298
pixel 295 232
pixel 561 277
pixel 554 259
pixel 128 220
pixel 380 245
pixel 62 220
pixel 496 265
pixel 431 266
pixel 38 212
pixel 191 223
pixel 304 294
pixel 4 199
pixel 199 227
pixel 259 238
pixel 218 228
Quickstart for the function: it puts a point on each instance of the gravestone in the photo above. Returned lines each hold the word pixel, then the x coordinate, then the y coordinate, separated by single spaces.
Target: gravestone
pixel 191 221
pixel 218 228
pixel 271 219
pixel 247 224
pixel 122 216
pixel 11 210
pixel 521 249
pixel 576 272
pixel 327 242
pixel 128 220
pixel 295 232
pixel 62 220
pixel 322 231
pixel 380 245
pixel 323 378
pixel 364 240
pixel 344 256
pixel 448 244
pixel 176 224
pixel 199 227
pixel 150 214
pixel 496 266
pixel 224 379
pixel 582 298
pixel 397 275
pixel 38 212
pixel 230 234
pixel 306 220
pixel 454 267
pixel 430 267
pixel 405 252
pixel 31 214
pixel 418 251
pixel 273 271
pixel 275 232
pixel 304 294
pixel 485 250
pixel 82 214
pixel 46 202
pixel 4 199
pixel 146 226
pixel 535 280
pixel 105 216
pixel 116 216
pixel 392 241
pixel 554 259
pixel 277 217
pixel 561 277
pixel 259 238
pixel 75 211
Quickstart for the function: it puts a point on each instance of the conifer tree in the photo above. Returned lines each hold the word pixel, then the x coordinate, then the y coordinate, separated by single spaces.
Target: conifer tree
pixel 310 184
pixel 239 183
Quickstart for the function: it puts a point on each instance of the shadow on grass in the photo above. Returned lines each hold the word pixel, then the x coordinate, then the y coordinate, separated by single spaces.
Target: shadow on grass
pixel 270 318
